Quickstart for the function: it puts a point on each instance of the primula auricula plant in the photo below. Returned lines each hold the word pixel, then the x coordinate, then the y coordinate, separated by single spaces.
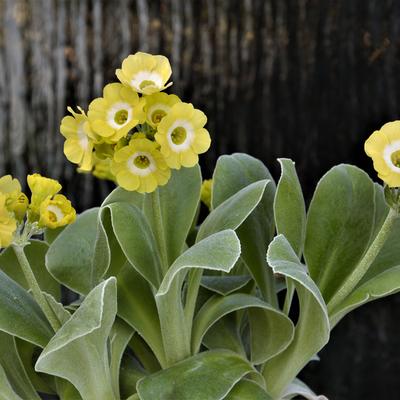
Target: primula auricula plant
pixel 170 306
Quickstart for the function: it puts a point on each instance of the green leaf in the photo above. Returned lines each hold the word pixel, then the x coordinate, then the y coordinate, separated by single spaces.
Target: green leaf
pixel 232 174
pixel 121 334
pixel 6 391
pixel 247 390
pixel 35 253
pixel 20 315
pixel 218 252
pixel 50 235
pixel 137 307
pixel 271 330
pixel 209 375
pixel 137 241
pixel 82 340
pixel 70 257
pixel 131 372
pixel 384 284
pixel 312 328
pixel 289 207
pixel 340 222
pixel 232 212
pixel 224 284
pixel 28 354
pixel 14 369
pixel 179 199
pixel 298 388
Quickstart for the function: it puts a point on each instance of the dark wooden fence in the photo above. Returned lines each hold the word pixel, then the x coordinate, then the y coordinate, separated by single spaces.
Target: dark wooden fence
pixel 305 79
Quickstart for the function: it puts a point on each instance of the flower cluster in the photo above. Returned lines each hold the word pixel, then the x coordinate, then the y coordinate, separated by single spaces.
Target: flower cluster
pixel 383 146
pixel 135 134
pixel 46 208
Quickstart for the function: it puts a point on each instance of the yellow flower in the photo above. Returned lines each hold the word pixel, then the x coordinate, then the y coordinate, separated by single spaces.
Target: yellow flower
pixel 145 73
pixel 116 113
pixel 206 191
pixel 56 212
pixel 383 147
pixel 41 188
pixel 78 146
pixel 158 106
pixel 140 166
pixel 8 224
pixel 15 200
pixel 182 137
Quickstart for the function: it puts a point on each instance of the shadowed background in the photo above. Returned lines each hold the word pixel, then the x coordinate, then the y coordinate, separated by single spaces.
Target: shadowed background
pixel 304 79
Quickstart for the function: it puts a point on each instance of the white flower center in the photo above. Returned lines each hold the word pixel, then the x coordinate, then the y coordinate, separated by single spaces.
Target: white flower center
pixel 119 115
pixel 144 79
pixel 157 112
pixel 82 137
pixel 55 213
pixel 180 135
pixel 141 163
pixel 391 158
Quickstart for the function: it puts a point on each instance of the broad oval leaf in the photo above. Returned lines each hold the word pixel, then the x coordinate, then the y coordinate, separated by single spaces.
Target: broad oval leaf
pixel 232 212
pixel 69 258
pixel 137 307
pixel 289 207
pixel 209 375
pixel 14 369
pixel 247 390
pixel 271 330
pixel 340 222
pixel 233 173
pixel 82 340
pixel 312 328
pixel 36 253
pixel 137 241
pixel 20 315
pixel 6 391
pixel 218 252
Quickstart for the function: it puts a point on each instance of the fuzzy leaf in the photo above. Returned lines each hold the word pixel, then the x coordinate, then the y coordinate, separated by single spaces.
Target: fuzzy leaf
pixel 20 315
pixel 137 307
pixel 312 328
pixel 14 369
pixel 340 223
pixel 69 258
pixel 36 253
pixel 209 375
pixel 271 330
pixel 247 390
pixel 289 207
pixel 232 212
pixel 233 173
pixel 6 391
pixel 82 340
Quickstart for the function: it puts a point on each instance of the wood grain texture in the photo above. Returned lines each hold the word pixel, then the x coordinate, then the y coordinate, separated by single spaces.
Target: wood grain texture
pixel 305 79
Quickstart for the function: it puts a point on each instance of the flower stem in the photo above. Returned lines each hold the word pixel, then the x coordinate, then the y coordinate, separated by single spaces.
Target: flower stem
pixel 159 229
pixel 34 286
pixel 363 266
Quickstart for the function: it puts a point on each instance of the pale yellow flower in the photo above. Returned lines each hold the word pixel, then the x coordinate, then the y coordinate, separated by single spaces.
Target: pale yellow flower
pixel 56 212
pixel 8 224
pixel 383 146
pixel 157 106
pixel 182 137
pixel 145 73
pixel 140 166
pixel 116 113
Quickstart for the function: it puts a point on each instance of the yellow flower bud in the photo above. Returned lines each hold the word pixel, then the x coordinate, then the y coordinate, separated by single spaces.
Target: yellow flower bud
pixel 8 224
pixel 19 206
pixel 206 191
pixel 42 188
pixel 15 200
pixel 56 212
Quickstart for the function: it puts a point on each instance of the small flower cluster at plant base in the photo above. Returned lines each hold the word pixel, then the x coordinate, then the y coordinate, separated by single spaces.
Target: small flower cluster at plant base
pixel 135 134
pixel 21 218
